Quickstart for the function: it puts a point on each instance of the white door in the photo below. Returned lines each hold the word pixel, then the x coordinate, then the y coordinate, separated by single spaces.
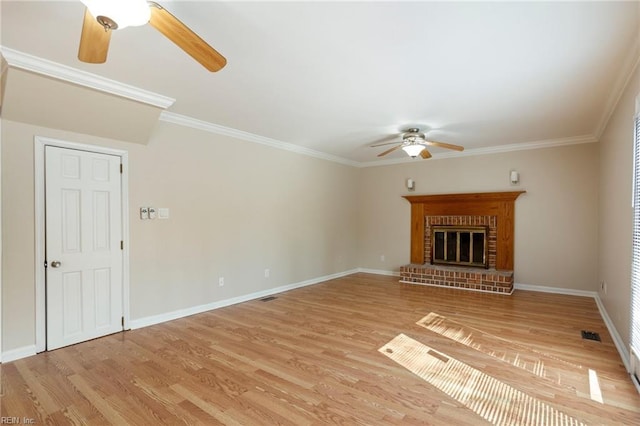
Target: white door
pixel 83 245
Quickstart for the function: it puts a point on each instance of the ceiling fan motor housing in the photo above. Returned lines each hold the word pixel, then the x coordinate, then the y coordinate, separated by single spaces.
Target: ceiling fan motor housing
pixel 413 135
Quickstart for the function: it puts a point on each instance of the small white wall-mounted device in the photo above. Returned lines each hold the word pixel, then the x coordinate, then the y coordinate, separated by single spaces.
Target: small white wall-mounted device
pixel 144 213
pixel 163 213
pixel 411 184
pixel 514 177
pixel 152 213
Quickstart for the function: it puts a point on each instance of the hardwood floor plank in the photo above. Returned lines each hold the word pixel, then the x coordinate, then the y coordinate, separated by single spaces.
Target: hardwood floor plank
pixel 101 405
pixel 311 356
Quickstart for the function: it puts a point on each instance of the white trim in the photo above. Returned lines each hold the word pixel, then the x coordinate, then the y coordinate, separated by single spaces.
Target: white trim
pixel 634 368
pixel 183 120
pixel 40 288
pixel 19 353
pixel 17 59
pixel 628 68
pixel 458 288
pixel 617 340
pixel 635 382
pixel 379 272
pixel 58 71
pixel 39 145
pixel 181 313
pixel 498 149
pixel 555 290
pixel 194 123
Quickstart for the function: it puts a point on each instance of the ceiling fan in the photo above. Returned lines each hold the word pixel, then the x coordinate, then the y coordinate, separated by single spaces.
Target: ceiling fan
pixel 414 143
pixel 101 17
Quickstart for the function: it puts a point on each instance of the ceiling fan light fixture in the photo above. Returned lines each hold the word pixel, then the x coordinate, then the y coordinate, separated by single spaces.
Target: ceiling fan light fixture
pixel 413 149
pixel 124 13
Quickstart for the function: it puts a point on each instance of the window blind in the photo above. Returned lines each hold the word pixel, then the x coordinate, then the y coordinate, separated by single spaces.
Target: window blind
pixel 635 268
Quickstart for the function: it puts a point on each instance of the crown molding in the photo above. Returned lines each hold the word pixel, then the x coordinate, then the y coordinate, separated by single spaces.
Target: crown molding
pixel 17 59
pixel 206 126
pixel 549 143
pixel 183 120
pixel 24 61
pixel 631 62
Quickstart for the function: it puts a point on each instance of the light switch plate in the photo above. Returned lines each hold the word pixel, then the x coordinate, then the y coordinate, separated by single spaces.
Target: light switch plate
pixel 144 213
pixel 152 213
pixel 163 213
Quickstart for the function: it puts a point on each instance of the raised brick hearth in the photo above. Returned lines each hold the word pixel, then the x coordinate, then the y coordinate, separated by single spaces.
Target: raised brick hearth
pixel 459 277
pixel 494 210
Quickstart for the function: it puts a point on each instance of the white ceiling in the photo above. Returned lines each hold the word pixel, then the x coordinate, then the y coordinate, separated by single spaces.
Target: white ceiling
pixel 335 77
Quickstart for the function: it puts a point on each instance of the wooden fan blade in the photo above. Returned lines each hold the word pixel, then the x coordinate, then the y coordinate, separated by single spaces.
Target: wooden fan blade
pixel 387 140
pixel 382 154
pixel 445 145
pixel 425 154
pixel 383 144
pixel 94 40
pixel 185 39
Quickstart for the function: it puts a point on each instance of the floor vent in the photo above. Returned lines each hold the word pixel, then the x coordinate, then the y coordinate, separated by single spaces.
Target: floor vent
pixel 270 298
pixel 590 335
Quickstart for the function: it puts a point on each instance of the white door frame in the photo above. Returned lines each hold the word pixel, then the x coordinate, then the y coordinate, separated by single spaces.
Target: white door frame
pixel 40 143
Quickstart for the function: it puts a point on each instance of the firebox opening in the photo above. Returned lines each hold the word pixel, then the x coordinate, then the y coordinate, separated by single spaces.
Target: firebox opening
pixel 463 246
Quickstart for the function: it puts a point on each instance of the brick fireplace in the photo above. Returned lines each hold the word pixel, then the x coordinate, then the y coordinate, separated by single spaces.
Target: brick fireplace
pixel 456 215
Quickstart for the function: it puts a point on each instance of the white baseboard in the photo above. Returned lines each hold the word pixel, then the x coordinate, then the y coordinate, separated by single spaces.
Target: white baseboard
pixel 617 340
pixel 555 290
pixel 379 272
pixel 27 351
pixel 181 313
pixel 18 353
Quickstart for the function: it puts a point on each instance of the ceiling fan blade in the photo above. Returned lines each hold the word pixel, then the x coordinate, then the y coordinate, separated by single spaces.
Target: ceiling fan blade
pixel 425 154
pixel 94 40
pixel 390 150
pixel 387 140
pixel 445 145
pixel 185 39
pixel 383 144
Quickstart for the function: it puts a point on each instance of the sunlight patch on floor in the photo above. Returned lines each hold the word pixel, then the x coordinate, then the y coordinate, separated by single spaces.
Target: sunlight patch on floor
pixel 493 400
pixel 524 358
pixel 594 387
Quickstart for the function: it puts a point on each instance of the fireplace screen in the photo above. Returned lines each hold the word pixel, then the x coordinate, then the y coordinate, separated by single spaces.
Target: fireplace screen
pixel 454 245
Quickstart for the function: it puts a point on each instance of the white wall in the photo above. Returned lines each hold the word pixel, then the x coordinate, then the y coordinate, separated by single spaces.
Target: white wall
pixel 615 223
pixel 556 220
pixel 236 208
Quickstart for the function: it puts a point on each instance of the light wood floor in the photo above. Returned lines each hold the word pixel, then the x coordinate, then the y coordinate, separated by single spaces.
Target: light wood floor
pixel 362 349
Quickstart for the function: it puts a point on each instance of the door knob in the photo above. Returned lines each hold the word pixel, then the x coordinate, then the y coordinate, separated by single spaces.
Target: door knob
pixel 55 264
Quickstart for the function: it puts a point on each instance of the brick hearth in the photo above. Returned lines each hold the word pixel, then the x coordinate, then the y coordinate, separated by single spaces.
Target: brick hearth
pixel 488 280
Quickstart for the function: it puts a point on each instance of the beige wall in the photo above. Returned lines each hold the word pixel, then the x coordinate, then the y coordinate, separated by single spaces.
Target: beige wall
pixel 616 213
pixel 556 220
pixel 236 208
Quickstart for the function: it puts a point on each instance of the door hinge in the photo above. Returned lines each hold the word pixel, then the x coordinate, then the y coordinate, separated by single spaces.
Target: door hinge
pixel 122 321
pixel 121 245
pixel 121 168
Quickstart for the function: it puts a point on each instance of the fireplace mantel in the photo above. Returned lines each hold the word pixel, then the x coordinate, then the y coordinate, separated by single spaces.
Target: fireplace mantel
pixel 498 204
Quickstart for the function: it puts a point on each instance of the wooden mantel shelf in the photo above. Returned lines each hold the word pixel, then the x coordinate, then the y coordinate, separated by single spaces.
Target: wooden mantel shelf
pixel 499 204
pixel 464 198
